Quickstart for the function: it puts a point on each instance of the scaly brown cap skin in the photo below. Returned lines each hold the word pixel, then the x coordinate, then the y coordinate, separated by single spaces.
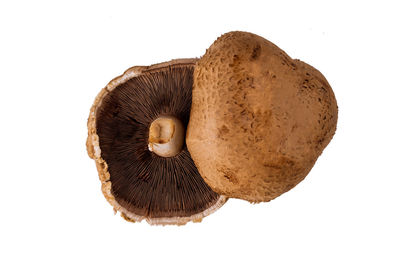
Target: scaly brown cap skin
pixel 94 149
pixel 259 119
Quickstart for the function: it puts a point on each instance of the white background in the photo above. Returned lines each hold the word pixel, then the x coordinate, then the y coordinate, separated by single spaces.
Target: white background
pixel 55 57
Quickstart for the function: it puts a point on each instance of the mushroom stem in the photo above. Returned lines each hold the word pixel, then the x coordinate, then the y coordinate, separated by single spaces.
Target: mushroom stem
pixel 166 135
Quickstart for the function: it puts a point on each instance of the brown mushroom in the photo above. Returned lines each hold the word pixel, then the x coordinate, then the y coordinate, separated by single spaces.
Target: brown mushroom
pixel 136 136
pixel 259 119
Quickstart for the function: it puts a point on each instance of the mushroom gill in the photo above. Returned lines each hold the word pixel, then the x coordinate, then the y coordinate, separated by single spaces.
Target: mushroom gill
pixel 143 184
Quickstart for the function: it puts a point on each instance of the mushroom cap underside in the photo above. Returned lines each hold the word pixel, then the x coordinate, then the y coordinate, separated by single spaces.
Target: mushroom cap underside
pixel 135 181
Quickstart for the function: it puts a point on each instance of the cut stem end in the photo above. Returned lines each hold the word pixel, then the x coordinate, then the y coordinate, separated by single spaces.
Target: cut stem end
pixel 166 136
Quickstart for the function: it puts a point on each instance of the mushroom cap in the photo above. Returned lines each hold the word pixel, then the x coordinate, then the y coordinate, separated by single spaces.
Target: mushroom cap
pixel 117 151
pixel 259 119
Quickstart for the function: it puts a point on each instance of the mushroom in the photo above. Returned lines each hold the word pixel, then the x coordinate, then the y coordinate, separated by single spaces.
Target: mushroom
pixel 136 131
pixel 259 119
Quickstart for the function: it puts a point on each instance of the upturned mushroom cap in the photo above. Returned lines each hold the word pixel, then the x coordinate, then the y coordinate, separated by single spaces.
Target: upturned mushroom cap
pixel 259 119
pixel 135 135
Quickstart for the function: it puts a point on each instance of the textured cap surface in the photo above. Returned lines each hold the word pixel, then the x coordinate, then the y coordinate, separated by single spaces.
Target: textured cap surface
pixel 259 120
